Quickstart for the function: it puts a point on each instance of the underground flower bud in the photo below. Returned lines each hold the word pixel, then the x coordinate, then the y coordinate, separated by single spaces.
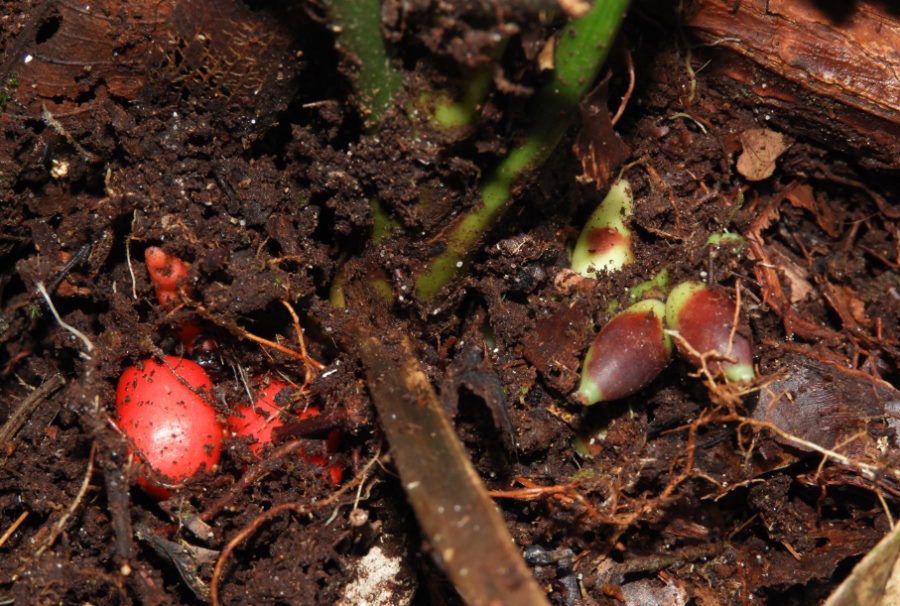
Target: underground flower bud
pixel 704 318
pixel 168 274
pixel 605 241
pixel 626 355
pixel 654 288
pixel 724 238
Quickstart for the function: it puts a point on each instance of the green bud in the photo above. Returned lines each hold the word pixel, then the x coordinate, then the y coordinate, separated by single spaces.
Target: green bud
pixel 605 241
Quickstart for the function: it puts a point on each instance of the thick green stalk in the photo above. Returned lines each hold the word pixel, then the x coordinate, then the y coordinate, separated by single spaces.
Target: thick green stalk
pixel 580 53
pixel 357 24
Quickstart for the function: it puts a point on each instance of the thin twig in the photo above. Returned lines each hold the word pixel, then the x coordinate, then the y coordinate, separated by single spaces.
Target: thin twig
pixel 309 363
pixel 254 474
pixel 13 527
pixel 15 421
pixel 243 333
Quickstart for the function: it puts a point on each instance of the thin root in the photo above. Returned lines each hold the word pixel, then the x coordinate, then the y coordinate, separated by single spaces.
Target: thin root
pixel 13 527
pixel 253 526
pixel 64 519
pixel 87 342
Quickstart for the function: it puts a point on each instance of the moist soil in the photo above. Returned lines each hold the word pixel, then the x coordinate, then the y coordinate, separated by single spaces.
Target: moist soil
pixel 234 141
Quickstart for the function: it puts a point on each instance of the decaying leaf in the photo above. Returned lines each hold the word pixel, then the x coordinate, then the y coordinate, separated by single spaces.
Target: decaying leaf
pixel 875 581
pixel 222 54
pixel 801 195
pixel 796 275
pixel 761 148
pixel 598 148
pixel 555 343
pixel 826 405
pixel 847 304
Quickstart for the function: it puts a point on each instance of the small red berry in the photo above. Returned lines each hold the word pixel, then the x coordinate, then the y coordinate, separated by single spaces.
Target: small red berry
pixel 163 409
pixel 260 420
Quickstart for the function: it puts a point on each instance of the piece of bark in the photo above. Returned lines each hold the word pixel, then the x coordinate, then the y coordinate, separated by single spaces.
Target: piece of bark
pixel 829 74
pixel 464 527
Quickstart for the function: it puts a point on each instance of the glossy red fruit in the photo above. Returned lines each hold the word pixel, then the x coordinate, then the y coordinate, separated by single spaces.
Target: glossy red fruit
pixel 168 274
pixel 626 355
pixel 260 420
pixel 704 318
pixel 163 409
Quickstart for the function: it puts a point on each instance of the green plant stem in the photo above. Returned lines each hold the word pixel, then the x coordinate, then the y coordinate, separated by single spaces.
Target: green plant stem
pixel 357 24
pixel 449 113
pixel 582 49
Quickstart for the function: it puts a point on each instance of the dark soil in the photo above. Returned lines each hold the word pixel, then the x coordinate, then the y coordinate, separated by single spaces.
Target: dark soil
pixel 249 160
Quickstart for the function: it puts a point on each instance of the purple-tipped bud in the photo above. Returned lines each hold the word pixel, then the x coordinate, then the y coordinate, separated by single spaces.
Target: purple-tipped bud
pixel 605 240
pixel 626 355
pixel 704 317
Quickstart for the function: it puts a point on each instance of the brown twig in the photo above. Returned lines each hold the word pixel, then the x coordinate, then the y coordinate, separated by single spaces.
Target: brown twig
pixel 235 329
pixel 255 473
pixel 310 364
pixel 13 527
pixel 20 415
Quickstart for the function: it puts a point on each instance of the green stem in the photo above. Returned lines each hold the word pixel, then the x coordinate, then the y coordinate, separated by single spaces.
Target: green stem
pixel 358 27
pixel 580 53
pixel 449 113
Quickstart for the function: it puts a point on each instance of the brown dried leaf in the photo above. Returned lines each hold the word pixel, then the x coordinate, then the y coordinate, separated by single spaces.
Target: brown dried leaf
pixel 761 148
pixel 800 195
pixel 797 276
pixel 848 306
pixel 599 149
pixel 554 344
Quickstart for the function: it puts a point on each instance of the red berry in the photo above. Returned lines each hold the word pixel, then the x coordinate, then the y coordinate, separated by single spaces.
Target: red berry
pixel 260 420
pixel 164 410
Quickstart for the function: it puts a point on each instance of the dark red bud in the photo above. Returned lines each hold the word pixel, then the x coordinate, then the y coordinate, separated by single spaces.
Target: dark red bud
pixel 704 318
pixel 626 355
